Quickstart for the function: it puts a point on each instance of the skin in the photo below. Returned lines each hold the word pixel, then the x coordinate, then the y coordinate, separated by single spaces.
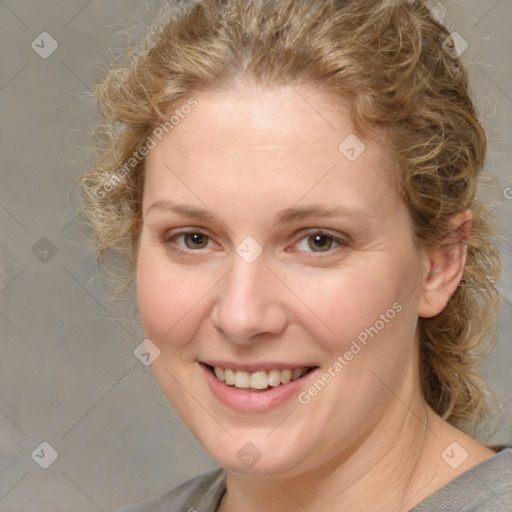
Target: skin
pixel 245 155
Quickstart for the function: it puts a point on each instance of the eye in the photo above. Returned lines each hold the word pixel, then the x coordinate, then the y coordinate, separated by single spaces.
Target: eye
pixel 319 241
pixel 187 240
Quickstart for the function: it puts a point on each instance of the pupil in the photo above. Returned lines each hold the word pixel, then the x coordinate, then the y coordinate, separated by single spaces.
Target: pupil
pixel 196 240
pixel 321 242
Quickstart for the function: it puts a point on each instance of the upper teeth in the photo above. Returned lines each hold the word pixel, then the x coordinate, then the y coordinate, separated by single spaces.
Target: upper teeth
pixel 257 380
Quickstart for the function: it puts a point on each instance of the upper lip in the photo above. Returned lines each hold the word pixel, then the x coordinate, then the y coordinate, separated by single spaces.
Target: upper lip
pixel 254 367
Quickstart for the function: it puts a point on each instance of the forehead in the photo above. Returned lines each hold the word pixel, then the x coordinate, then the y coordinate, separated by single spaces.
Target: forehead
pixel 258 117
pixel 286 142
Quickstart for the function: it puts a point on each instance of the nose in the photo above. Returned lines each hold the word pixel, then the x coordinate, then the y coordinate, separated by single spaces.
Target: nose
pixel 249 305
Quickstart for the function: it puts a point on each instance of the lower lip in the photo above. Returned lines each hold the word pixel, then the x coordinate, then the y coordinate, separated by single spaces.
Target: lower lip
pixel 254 401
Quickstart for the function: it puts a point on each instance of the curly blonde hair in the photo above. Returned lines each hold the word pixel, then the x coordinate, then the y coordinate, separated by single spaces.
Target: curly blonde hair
pixel 389 60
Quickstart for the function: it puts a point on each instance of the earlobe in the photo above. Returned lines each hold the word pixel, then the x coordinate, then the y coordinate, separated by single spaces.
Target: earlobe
pixel 445 267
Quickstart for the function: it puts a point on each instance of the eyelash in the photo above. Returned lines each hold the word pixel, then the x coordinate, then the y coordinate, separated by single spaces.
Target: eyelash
pixel 341 242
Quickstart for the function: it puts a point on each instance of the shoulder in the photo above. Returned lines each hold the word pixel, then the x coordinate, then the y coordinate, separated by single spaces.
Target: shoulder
pixel 202 493
pixel 485 487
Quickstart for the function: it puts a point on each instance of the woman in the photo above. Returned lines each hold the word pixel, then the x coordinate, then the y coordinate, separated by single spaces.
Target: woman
pixel 291 186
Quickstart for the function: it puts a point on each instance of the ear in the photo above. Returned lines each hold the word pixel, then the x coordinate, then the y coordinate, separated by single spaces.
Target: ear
pixel 445 267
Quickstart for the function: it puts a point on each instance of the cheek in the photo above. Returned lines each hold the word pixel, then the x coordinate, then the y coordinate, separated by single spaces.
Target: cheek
pixel 167 297
pixel 344 303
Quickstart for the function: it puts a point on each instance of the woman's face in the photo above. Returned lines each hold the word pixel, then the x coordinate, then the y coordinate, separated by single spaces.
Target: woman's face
pixel 273 241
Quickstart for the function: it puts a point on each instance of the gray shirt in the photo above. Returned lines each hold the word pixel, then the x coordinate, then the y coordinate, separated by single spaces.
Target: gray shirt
pixel 486 487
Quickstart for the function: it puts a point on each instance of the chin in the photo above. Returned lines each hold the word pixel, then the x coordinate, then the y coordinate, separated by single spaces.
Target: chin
pixel 257 455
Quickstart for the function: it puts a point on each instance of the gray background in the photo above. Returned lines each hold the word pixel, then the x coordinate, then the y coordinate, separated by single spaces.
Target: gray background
pixel 68 375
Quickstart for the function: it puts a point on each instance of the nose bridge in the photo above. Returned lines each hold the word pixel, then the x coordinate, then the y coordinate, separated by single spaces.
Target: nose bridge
pixel 247 303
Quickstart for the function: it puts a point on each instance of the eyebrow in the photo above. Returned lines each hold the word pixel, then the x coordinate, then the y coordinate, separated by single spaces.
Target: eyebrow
pixel 286 216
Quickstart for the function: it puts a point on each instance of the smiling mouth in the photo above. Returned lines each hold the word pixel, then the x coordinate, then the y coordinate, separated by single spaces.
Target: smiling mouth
pixel 259 380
